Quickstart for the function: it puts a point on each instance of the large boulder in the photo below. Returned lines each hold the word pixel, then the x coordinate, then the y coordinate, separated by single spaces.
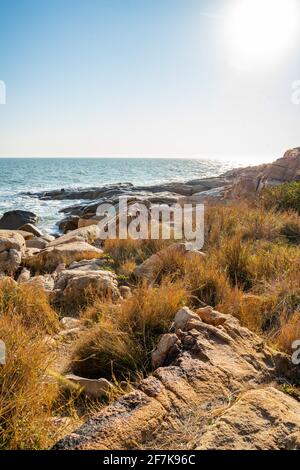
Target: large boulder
pixel 12 248
pixel 52 256
pixel 68 223
pixel 72 286
pixel 13 220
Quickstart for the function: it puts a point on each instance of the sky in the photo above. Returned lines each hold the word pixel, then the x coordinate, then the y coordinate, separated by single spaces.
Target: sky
pixel 141 78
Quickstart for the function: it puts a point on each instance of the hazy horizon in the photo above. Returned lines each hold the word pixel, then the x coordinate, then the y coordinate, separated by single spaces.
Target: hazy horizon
pixel 160 79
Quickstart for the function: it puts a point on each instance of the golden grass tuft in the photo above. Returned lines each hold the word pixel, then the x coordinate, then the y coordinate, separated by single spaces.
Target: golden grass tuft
pixel 25 397
pixel 29 304
pixel 134 251
pixel 121 342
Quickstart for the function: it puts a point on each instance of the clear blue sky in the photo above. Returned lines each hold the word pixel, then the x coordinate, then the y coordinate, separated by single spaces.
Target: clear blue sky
pixel 137 78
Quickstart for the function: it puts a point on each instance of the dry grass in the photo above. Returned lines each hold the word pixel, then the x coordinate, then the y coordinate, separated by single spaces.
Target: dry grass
pixel 121 342
pixel 29 304
pixel 132 251
pixel 251 270
pixel 25 399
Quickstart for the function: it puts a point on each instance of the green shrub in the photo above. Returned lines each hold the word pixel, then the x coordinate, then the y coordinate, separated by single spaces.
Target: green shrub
pixel 283 197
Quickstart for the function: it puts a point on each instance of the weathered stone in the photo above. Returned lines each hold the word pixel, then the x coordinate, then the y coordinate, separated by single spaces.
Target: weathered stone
pixel 30 228
pixel 10 260
pixel 52 256
pixel 13 220
pixel 85 234
pixel 37 242
pixel 125 292
pixel 72 285
pixel 24 276
pixel 264 419
pixel 183 316
pixel 162 350
pixel 12 248
pixel 10 239
pixel 90 265
pixel 97 388
pixel 224 386
pixel 68 223
pixel 211 316
pixel 69 323
pixel 45 283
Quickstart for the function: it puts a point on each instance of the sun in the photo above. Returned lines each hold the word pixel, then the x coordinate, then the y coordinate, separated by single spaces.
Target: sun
pixel 261 32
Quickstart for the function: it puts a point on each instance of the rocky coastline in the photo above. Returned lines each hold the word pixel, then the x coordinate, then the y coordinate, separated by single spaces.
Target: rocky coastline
pixel 202 357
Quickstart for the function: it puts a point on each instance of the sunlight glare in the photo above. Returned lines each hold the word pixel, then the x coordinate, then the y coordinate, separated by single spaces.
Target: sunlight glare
pixel 261 32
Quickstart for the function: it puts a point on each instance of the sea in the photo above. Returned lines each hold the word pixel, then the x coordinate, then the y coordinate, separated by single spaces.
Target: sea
pixel 19 176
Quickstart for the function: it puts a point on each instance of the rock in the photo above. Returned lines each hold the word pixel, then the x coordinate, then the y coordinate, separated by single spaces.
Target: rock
pixel 88 222
pixel 72 285
pixel 206 197
pixel 97 388
pixel 59 269
pixel 68 323
pixel 30 228
pixel 24 276
pixel 85 234
pixel 248 181
pixel 211 316
pixel 265 419
pixel 183 317
pixel 11 240
pixel 12 248
pixel 83 193
pixel 30 252
pixel 13 220
pixel 147 270
pixel 91 265
pixel 52 256
pixel 45 283
pixel 219 388
pixel 10 261
pixel 162 350
pixel 125 292
pixel 68 223
pixel 37 242
pixel 26 235
pixel 48 238
pixel 68 335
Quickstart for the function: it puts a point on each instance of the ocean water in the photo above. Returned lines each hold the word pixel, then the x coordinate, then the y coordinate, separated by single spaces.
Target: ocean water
pixel 20 175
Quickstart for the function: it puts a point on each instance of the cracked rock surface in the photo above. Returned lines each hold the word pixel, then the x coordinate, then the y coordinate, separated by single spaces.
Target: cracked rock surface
pixel 225 374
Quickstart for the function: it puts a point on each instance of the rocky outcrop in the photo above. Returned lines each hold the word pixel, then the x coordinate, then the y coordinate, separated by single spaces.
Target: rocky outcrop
pixel 13 220
pixel 224 376
pixel 249 181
